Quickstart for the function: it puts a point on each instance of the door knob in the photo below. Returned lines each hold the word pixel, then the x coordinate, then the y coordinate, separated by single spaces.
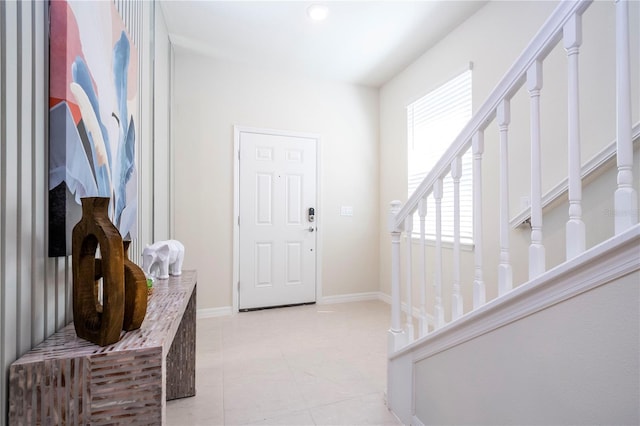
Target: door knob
pixel 311 229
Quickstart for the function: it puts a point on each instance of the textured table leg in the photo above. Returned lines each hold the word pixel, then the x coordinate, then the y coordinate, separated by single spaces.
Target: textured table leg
pixel 181 359
pixel 126 387
pixel 121 387
pixel 48 392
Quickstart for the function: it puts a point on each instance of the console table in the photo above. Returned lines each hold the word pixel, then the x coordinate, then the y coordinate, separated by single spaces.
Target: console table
pixel 68 380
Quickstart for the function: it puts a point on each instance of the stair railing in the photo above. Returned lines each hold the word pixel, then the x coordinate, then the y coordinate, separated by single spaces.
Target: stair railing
pixel 563 25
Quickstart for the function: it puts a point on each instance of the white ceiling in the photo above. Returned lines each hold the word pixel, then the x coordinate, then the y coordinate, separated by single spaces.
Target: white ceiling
pixel 361 42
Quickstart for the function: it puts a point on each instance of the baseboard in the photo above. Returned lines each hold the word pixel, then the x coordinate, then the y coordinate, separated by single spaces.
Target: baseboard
pixel 416 422
pixel 384 297
pixel 214 312
pixel 352 297
pixel 415 312
pixel 325 300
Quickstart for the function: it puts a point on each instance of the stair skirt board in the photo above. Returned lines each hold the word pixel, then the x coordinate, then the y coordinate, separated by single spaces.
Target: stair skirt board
pixel 600 265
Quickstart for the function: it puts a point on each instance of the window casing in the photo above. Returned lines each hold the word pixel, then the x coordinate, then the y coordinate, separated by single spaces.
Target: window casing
pixel 433 122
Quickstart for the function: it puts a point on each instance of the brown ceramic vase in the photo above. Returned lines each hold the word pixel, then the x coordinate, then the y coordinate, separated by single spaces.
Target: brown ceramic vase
pixel 100 323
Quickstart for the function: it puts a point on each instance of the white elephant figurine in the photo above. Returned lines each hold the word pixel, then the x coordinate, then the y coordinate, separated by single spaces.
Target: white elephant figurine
pixel 163 258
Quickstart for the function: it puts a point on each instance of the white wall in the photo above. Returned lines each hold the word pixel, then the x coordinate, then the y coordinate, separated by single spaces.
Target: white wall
pixel 492 39
pixel 573 363
pixel 212 96
pixel 154 133
pixel 162 130
pixel 35 290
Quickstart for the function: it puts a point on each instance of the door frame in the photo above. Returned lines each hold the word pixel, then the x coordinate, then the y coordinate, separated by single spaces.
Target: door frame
pixel 237 130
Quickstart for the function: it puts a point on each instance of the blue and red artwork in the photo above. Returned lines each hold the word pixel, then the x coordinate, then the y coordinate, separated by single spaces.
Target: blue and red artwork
pixel 93 98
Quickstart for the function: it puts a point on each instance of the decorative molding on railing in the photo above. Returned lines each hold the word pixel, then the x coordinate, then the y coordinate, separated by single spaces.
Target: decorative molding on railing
pixel 598 266
pixel 596 163
pixel 541 45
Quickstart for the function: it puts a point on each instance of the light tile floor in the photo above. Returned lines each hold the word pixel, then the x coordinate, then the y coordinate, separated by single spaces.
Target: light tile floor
pixel 303 365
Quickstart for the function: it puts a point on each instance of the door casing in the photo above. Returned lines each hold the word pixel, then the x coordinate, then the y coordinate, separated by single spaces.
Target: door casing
pixel 237 130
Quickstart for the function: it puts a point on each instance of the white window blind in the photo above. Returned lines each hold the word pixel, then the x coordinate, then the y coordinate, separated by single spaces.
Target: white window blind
pixel 433 122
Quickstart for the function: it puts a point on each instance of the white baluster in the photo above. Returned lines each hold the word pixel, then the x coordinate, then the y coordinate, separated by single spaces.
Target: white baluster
pixel 536 248
pixel 396 334
pixel 505 273
pixel 456 299
pixel 575 228
pixel 625 198
pixel 438 312
pixel 423 327
pixel 479 292
pixel 408 229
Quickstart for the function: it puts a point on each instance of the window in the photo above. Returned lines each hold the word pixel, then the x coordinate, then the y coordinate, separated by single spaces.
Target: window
pixel 433 122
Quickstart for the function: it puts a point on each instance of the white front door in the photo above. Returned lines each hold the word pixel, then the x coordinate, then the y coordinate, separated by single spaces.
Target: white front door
pixel 277 264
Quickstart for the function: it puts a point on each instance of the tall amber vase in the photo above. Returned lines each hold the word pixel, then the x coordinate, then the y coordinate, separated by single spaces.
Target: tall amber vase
pixel 100 323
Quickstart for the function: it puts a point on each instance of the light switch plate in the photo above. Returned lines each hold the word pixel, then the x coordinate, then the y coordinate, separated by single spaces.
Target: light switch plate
pixel 346 211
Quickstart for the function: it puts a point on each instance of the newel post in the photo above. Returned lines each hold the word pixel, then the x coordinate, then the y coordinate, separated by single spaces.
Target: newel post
pixel 505 273
pixel 575 228
pixel 456 299
pixel 479 292
pixel 396 334
pixel 423 328
pixel 408 228
pixel 536 248
pixel 438 310
pixel 625 198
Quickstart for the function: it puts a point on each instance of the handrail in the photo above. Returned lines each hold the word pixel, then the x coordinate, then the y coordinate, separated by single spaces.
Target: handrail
pixel 542 44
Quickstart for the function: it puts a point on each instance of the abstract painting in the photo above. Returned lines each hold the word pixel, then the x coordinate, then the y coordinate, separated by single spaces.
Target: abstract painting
pixel 93 98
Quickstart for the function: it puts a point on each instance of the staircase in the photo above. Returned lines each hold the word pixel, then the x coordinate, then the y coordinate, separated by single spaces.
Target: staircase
pixel 550 338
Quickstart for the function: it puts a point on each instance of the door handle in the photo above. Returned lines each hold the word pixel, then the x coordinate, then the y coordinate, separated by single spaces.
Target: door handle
pixel 311 229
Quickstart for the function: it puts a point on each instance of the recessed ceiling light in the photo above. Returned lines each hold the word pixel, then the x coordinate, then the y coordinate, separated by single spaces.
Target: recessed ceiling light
pixel 318 12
